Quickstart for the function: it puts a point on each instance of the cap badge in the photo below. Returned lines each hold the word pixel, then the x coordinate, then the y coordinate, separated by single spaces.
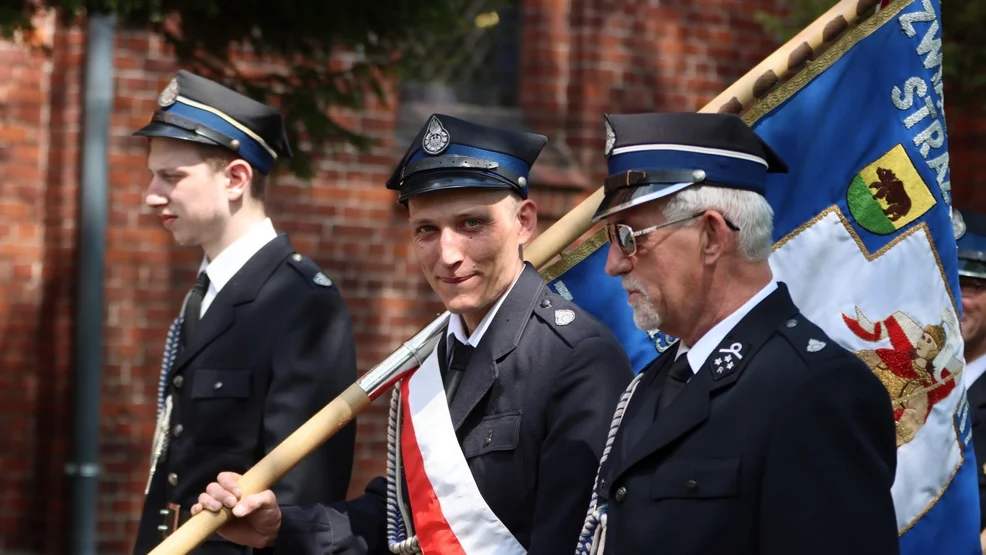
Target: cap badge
pixel 436 138
pixel 958 224
pixel 169 94
pixel 610 137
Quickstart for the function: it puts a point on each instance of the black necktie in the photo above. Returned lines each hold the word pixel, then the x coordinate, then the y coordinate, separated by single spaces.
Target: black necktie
pixel 193 307
pixel 461 353
pixel 677 377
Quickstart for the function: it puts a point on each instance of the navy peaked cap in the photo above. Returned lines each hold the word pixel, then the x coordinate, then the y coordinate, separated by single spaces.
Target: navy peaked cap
pixel 970 235
pixel 451 153
pixel 193 108
pixel 651 156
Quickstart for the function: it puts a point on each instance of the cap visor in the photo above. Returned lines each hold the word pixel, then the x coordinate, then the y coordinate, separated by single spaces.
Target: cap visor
pixel 413 187
pixel 972 268
pixel 158 129
pixel 628 197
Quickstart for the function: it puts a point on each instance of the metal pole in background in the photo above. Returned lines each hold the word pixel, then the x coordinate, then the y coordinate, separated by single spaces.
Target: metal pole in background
pixel 83 468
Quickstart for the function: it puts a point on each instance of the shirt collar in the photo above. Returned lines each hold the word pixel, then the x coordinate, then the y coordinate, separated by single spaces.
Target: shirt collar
pixel 233 257
pixel 973 370
pixel 457 328
pixel 698 354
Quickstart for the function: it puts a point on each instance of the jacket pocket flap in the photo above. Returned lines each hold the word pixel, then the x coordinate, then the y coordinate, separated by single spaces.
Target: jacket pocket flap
pixel 696 478
pixel 221 384
pixel 497 432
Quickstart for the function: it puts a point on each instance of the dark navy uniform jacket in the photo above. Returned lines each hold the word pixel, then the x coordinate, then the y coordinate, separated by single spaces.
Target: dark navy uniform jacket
pixel 547 392
pixel 790 451
pixel 977 406
pixel 272 350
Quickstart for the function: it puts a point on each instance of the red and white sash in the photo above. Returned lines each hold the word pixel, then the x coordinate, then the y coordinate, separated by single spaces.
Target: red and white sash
pixel 450 515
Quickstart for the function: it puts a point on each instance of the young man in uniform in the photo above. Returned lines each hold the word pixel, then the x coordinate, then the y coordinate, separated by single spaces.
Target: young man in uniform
pixel 503 425
pixel 756 433
pixel 263 340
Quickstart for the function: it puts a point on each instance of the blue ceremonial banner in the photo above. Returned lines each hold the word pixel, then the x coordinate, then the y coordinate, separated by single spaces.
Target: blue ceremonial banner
pixel 864 240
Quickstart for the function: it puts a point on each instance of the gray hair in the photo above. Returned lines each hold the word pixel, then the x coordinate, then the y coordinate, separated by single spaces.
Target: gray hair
pixel 748 210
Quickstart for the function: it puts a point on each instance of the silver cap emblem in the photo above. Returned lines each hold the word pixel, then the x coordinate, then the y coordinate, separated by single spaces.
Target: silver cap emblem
pixel 436 138
pixel 169 95
pixel 958 224
pixel 610 137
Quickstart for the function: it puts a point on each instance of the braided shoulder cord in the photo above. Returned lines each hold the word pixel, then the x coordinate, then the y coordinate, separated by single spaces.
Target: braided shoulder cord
pixel 593 537
pixel 397 519
pixel 168 360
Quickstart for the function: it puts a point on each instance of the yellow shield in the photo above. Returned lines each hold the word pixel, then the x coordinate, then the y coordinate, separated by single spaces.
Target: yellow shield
pixel 889 193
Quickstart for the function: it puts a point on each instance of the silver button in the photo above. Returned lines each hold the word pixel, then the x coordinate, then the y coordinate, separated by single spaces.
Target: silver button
pixel 178 381
pixel 177 429
pixel 217 385
pixel 296 257
pixel 792 323
pixel 621 495
pixel 173 479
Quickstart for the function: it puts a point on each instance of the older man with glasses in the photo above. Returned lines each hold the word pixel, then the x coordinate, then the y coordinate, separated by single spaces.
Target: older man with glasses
pixel 756 433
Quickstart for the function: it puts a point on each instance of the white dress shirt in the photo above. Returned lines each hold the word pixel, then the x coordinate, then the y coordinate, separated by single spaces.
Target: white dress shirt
pixel 457 328
pixel 973 370
pixel 698 354
pixel 225 266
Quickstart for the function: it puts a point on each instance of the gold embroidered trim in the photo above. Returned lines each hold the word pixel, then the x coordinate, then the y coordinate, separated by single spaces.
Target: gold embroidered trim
pixel 870 257
pixel 814 68
pixel 570 258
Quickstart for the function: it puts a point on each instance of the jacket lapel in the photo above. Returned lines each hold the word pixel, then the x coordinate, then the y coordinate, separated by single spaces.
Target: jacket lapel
pixel 689 409
pixel 721 370
pixel 643 402
pixel 500 338
pixel 242 289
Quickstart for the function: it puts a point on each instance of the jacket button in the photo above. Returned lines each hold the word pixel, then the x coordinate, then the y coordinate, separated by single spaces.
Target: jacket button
pixel 545 303
pixel 217 385
pixel 173 479
pixel 621 495
pixel 178 381
pixel 691 485
pixel 177 430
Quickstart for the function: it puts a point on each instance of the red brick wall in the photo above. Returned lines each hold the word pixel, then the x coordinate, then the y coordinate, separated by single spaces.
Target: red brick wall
pixel 580 58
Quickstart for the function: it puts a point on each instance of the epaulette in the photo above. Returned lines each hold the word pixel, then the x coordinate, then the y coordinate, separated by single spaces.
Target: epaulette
pixel 309 270
pixel 561 315
pixel 808 340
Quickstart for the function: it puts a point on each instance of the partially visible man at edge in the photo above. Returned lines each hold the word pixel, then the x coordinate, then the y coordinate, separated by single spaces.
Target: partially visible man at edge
pixel 970 234
pixel 504 438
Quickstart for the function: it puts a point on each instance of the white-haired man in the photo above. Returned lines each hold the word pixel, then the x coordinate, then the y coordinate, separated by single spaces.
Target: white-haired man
pixel 756 433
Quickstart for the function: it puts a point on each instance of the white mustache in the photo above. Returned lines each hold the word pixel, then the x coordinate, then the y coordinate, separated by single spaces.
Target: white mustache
pixel 631 285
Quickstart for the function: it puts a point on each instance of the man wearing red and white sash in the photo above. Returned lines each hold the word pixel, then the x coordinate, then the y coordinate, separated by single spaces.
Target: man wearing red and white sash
pixel 499 432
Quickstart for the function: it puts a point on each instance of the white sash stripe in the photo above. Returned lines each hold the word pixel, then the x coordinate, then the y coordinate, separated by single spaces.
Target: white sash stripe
pixel 478 530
